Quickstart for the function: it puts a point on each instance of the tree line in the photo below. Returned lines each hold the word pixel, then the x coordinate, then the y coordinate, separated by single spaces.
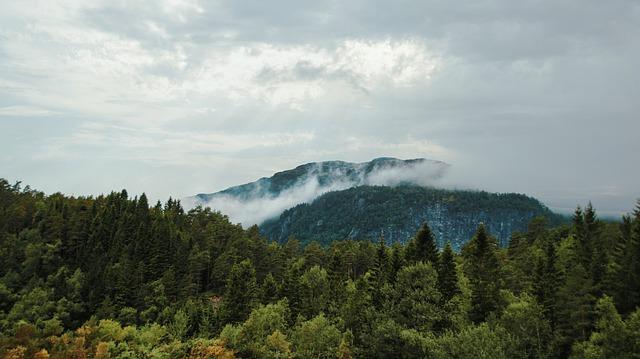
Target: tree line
pixel 115 277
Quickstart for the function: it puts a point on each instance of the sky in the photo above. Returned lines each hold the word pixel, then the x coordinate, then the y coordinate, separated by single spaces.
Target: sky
pixel 178 97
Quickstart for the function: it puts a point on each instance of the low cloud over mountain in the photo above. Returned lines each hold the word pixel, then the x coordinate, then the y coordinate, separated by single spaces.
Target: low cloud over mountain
pixel 266 198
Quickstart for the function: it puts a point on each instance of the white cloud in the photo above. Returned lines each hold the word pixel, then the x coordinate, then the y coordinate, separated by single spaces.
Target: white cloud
pixel 25 111
pixel 259 205
pixel 260 86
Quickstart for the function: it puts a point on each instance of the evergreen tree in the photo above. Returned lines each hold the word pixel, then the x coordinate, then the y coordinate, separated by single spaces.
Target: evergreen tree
pixel 379 273
pixel 423 247
pixel 483 272
pixel 292 289
pixel 447 274
pixel 575 314
pixel 241 293
pixel 314 287
pixel 269 290
pixel 337 276
pixel 546 282
pixel 397 261
pixel 612 338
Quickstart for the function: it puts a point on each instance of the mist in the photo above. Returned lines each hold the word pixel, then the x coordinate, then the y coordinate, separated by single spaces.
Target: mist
pixel 259 204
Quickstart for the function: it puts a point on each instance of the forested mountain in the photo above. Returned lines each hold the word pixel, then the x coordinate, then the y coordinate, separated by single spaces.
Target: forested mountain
pixel 397 213
pixel 115 277
pixel 336 200
pixel 331 174
pixel 266 198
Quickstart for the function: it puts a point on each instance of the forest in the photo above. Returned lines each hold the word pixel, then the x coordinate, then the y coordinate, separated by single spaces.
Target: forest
pixel 114 276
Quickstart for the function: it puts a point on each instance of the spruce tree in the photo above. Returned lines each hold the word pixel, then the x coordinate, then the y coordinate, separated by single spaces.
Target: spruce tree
pixel 379 273
pixel 269 290
pixel 484 275
pixel 292 289
pixel 423 247
pixel 447 275
pixel 381 265
pixel 241 292
pixel 546 282
pixel 575 312
pixel 397 261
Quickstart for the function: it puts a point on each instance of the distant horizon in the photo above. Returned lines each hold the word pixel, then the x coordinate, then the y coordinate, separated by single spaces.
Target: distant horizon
pixel 181 97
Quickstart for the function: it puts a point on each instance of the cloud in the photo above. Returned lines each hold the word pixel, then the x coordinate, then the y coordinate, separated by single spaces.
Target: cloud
pixel 259 209
pixel 525 96
pixel 25 111
pixel 259 201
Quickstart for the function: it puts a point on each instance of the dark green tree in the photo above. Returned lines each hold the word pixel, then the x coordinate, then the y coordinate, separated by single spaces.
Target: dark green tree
pixel 575 311
pixel 422 247
pixel 483 272
pixel 241 293
pixel 447 274
pixel 547 281
pixel 416 302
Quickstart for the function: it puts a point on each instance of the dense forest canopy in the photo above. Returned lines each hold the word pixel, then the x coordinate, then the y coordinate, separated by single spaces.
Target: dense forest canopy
pixel 113 276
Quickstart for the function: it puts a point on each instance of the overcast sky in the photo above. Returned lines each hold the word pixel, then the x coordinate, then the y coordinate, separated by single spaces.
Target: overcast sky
pixel 177 97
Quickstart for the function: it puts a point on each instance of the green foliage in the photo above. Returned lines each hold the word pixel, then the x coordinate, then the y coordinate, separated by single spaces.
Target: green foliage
pixel 111 277
pixel 613 337
pixel 416 302
pixel 423 248
pixel 316 338
pixel 483 271
pixel 480 342
pixel 241 293
pixel 447 274
pixel 363 212
pixel 529 330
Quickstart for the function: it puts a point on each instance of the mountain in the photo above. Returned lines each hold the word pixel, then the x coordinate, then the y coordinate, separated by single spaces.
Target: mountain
pixel 367 211
pixel 331 200
pixel 266 198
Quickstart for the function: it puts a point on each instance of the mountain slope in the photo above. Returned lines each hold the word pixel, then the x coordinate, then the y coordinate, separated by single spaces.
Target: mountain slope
pixel 365 212
pixel 267 198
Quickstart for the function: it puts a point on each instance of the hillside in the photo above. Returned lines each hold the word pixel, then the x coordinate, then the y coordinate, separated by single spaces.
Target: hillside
pixel 267 197
pixel 366 211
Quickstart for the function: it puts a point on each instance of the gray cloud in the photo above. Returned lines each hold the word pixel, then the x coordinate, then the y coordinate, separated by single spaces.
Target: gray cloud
pixel 177 97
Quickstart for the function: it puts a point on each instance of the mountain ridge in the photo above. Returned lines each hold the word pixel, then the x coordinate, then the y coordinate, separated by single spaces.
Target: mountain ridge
pixel 266 198
pixel 366 212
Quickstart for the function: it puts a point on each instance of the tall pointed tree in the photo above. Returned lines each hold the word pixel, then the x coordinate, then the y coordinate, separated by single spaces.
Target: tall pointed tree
pixel 241 293
pixel 379 273
pixel 397 261
pixel 423 247
pixel 546 282
pixel 483 273
pixel 575 311
pixel 447 275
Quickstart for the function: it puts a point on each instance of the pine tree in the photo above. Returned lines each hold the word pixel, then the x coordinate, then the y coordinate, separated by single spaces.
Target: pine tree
pixel 546 282
pixel 379 273
pixel 423 247
pixel 483 274
pixel 292 289
pixel 579 232
pixel 337 276
pixel 575 312
pixel 241 292
pixel 634 247
pixel 269 290
pixel 447 275
pixel 397 261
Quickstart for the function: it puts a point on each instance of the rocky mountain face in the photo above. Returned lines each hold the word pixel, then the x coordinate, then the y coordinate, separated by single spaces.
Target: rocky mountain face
pixel 397 212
